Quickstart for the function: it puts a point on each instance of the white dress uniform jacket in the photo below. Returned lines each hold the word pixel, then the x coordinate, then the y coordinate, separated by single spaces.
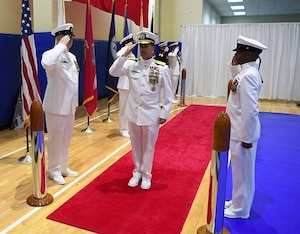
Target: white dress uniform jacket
pixel 245 124
pixel 174 62
pixel 123 82
pixel 143 102
pixel 123 87
pixel 61 96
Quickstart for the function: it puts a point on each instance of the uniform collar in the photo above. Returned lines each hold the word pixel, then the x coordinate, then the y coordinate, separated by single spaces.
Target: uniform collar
pixel 146 63
pixel 250 64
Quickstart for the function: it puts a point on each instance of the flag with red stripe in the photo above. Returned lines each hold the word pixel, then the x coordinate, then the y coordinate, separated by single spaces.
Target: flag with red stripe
pixel 90 96
pixel 30 82
pixel 133 9
pixel 126 28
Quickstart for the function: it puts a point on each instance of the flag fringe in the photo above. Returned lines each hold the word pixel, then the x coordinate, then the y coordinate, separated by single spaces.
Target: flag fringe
pixel 110 100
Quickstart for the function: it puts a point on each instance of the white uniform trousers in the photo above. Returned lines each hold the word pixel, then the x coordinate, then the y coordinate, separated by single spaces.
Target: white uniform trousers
pixel 161 96
pixel 243 176
pixel 60 129
pixel 123 122
pixel 143 140
pixel 174 79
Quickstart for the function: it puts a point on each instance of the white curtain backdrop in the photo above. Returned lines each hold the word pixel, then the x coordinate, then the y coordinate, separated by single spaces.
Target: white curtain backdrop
pixel 207 49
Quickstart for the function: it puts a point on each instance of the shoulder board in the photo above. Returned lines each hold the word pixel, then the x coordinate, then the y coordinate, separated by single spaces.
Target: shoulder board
pixel 134 59
pixel 160 63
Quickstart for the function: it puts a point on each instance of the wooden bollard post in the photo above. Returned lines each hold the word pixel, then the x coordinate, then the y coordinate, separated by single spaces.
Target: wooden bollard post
pixel 40 197
pixel 182 91
pixel 218 176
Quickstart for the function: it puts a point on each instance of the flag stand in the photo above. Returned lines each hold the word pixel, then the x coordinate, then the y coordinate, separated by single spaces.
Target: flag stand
pixel 26 158
pixel 88 129
pixel 108 119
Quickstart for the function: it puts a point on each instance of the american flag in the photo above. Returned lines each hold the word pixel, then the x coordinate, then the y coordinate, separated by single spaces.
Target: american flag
pixel 30 82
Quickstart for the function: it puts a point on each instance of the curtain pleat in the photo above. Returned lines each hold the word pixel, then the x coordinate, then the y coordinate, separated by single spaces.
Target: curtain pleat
pixel 207 49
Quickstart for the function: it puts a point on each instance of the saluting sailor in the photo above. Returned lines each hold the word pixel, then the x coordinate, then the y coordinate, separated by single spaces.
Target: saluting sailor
pixel 242 108
pixel 143 111
pixel 123 87
pixel 162 55
pixel 174 58
pixel 60 101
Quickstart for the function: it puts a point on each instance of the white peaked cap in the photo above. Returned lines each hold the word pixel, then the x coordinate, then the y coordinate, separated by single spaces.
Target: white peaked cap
pixel 145 37
pixel 174 44
pixel 127 39
pixel 64 29
pixel 244 43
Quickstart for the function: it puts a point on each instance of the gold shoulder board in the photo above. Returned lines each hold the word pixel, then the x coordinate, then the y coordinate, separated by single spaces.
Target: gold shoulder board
pixel 160 63
pixel 134 59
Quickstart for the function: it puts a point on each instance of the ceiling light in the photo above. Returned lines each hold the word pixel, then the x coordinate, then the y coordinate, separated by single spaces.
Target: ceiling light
pixel 239 13
pixel 234 1
pixel 234 8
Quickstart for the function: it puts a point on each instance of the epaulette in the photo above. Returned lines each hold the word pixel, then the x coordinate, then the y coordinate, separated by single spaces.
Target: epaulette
pixel 160 63
pixel 134 59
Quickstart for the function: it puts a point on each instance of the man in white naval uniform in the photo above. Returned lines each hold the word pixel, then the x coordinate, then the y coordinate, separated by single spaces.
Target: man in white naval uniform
pixel 60 101
pixel 243 110
pixel 143 111
pixel 162 55
pixel 174 58
pixel 123 87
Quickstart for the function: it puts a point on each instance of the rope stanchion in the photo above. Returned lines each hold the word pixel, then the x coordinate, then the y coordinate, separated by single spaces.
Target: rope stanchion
pixel 40 197
pixel 218 176
pixel 182 91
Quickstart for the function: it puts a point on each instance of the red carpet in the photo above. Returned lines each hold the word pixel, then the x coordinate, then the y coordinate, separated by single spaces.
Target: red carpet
pixel 108 205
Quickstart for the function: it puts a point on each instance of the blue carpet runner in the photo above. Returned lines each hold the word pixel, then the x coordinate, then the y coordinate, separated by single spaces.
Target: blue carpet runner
pixel 276 205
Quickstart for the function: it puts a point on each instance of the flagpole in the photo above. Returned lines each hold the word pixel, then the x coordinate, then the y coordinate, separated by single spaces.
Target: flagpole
pixel 61 13
pixel 152 20
pixel 108 119
pixel 27 157
pixel 142 17
pixel 141 25
pixel 111 82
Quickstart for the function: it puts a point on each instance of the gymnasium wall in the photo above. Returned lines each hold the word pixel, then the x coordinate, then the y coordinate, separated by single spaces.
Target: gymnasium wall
pixel 10 69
